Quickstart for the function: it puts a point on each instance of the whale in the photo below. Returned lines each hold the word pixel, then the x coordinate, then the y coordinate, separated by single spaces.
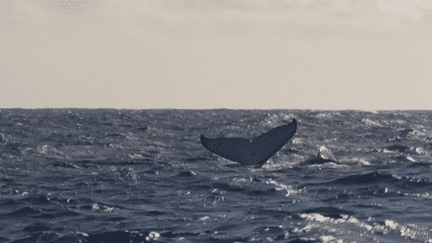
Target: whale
pixel 251 152
pixel 324 156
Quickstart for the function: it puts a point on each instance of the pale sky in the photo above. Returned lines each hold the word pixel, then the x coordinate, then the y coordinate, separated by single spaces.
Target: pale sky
pixel 205 54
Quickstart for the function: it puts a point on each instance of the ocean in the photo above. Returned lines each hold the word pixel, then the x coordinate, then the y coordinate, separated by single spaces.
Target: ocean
pixel 110 175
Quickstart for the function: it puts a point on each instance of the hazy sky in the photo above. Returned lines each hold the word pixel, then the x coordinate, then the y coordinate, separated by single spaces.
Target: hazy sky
pixel 202 54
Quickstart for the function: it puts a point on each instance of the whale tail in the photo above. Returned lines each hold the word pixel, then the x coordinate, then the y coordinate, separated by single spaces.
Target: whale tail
pixel 255 152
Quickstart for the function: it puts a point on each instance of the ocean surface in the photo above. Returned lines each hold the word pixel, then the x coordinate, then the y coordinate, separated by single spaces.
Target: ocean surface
pixel 108 175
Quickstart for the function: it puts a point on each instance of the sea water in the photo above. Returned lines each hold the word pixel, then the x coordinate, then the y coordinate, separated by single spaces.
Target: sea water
pixel 108 175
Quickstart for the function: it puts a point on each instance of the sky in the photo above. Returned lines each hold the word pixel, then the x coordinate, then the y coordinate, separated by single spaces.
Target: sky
pixel 207 54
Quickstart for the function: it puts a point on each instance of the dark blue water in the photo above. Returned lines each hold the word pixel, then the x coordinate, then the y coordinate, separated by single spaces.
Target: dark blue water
pixel 143 176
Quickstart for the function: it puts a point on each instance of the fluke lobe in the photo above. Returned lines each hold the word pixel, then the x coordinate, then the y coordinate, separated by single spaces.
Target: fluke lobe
pixel 258 151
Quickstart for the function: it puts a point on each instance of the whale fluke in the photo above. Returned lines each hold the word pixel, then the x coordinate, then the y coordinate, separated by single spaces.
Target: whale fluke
pixel 255 152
